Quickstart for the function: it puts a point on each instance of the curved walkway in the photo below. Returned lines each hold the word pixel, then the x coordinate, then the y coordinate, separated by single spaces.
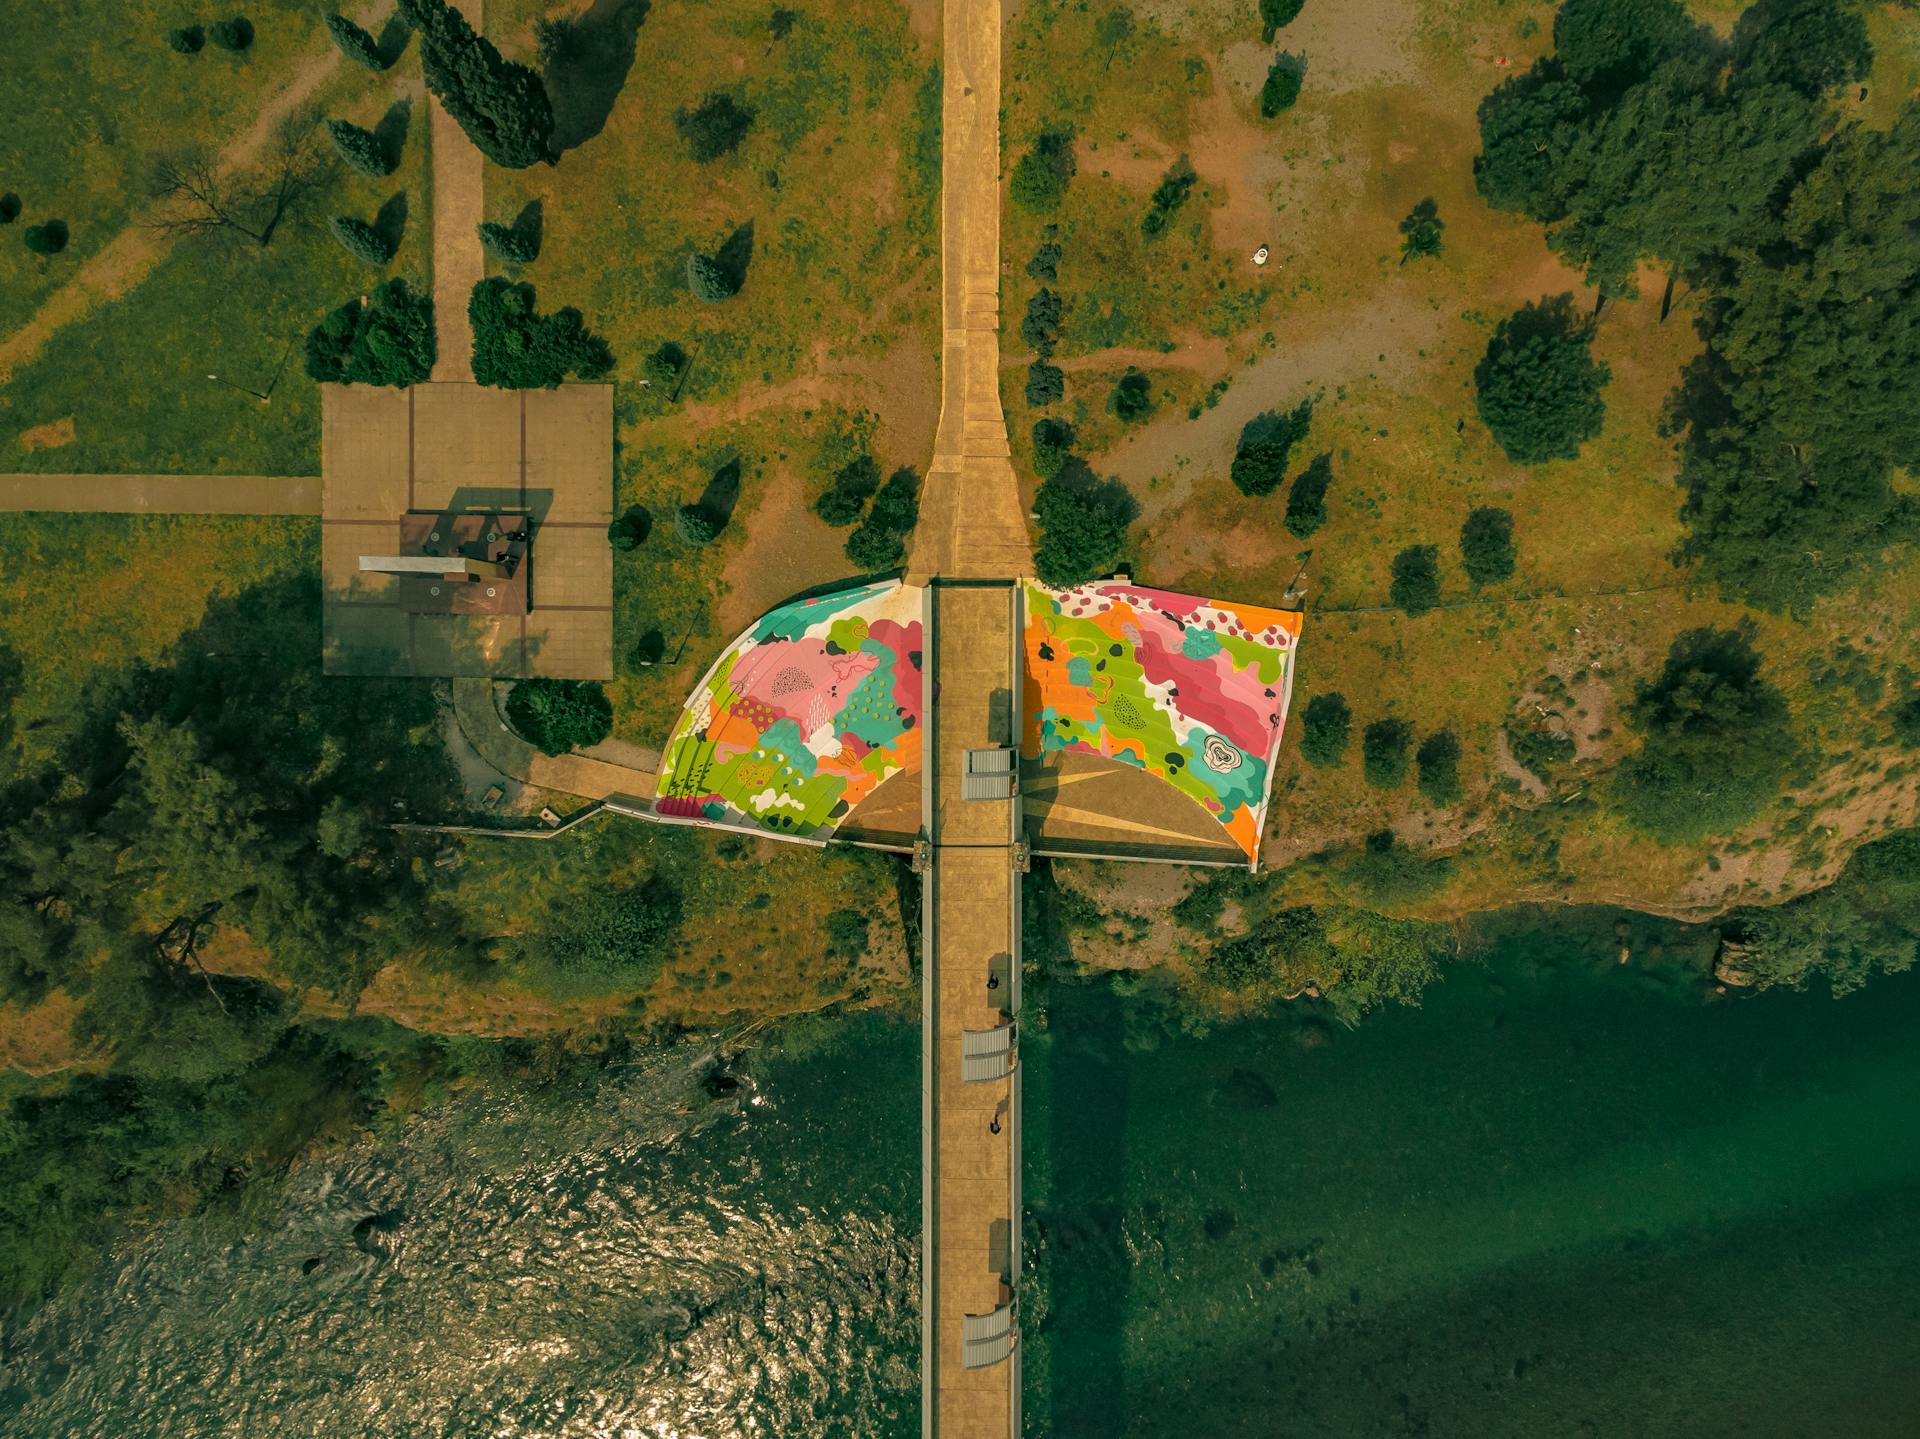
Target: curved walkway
pixel 479 719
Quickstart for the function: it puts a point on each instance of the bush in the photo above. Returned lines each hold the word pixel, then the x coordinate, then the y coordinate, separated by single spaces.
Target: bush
pixel 1045 264
pixel 501 105
pixel 1420 232
pixel 356 44
pixel 1052 443
pixel 1539 385
pixel 188 39
pixel 387 341
pixel 517 348
pixel 1132 398
pixel 1041 327
pixel 361 240
pixel 1486 546
pixel 664 367
pixel 897 506
pixel 714 127
pixel 1906 721
pixel 846 496
pixel 1416 579
pixel 1282 85
pixel 1324 730
pixel 1439 761
pixel 1168 196
pixel 9 208
pixel 1307 500
pixel 1260 461
pixel 629 531
pixel 847 934
pixel 1040 179
pixel 235 34
pixel 602 940
pixel 1083 526
pixel 508 245
pixel 1276 15
pixel 697 524
pixel 709 280
pixel 361 149
pixel 873 548
pixel 1046 384
pixel 555 716
pixel 1383 752
pixel 47 239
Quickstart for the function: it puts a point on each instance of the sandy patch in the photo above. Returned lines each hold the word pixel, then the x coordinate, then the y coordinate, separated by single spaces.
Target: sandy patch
pixel 50 436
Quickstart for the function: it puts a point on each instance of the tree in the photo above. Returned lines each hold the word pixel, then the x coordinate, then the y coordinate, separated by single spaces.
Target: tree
pixel 1539 385
pixel 555 716
pixel 356 44
pixel 1266 443
pixel 607 941
pixel 361 240
pixel 664 368
pixel 1439 761
pixel 387 339
pixel 515 347
pixel 205 199
pixel 1045 264
pixel 709 280
pixel 1383 752
pixel 1420 232
pixel 1041 327
pixel 502 106
pixel 1276 15
pixel 846 496
pixel 1527 126
pixel 1040 179
pixel 47 239
pixel 1282 86
pixel 1906 721
pixel 873 548
pixel 630 530
pixel 1868 920
pixel 1046 384
pixel 897 507
pixel 714 127
pixel 508 244
pixel 1716 742
pixel 697 524
pixel 1324 730
pixel 1083 526
pixel 1168 196
pixel 1486 546
pixel 1132 398
pixel 1416 579
pixel 9 208
pixel 235 34
pixel 1808 45
pixel 1052 443
pixel 1307 500
pixel 1609 45
pixel 187 40
pixel 361 148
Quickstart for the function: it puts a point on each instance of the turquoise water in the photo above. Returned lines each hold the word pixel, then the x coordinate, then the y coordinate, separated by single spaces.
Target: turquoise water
pixel 1563 1198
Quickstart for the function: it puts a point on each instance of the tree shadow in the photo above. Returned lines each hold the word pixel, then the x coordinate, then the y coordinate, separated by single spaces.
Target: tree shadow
pixel 736 254
pixel 390 223
pixel 393 127
pixel 722 493
pixel 1109 496
pixel 586 71
pixel 392 41
pixel 530 225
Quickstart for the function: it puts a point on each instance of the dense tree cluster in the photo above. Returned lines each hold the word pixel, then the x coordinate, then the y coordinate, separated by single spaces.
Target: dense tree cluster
pixel 1438 759
pixel 235 34
pixel 1383 752
pixel 845 498
pixel 1867 921
pixel 1354 959
pixel 387 339
pixel 1052 444
pixel 1415 586
pixel 187 40
pixel 1538 386
pixel 1083 525
pixel 1282 86
pixel 1168 196
pixel 881 542
pixel 606 939
pixel 555 716
pixel 1132 398
pixel 502 106
pixel 1266 443
pixel 1040 328
pixel 515 347
pixel 1275 15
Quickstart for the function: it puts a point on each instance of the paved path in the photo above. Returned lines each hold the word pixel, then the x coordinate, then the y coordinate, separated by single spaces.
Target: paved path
pixel 459 205
pixel 582 774
pixel 161 494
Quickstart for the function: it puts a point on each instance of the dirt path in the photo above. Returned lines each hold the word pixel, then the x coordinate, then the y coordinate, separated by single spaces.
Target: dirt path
pixel 161 494
pixel 132 254
pixel 459 205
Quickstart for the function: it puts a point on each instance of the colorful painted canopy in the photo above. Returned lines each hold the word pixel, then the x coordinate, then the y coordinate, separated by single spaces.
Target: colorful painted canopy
pixel 802 717
pixel 1189 689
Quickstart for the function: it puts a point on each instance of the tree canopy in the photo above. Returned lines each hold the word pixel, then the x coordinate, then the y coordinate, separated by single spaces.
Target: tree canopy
pixel 515 347
pixel 1486 545
pixel 1266 443
pixel 1539 385
pixel 389 340
pixel 1383 752
pixel 1040 179
pixel 714 127
pixel 1324 730
pixel 1083 525
pixel 1416 579
pixel 555 716
pixel 502 106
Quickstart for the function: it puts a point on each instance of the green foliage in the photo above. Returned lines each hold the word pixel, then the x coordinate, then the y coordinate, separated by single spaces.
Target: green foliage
pixel 880 544
pixel 1716 742
pixel 1383 752
pixel 1041 327
pixel 1083 526
pixel 1808 45
pixel 873 549
pixel 845 497
pixel 1608 45
pixel 235 34
pixel 501 105
pixel 1045 264
pixel 697 524
pixel 1324 730
pixel 709 279
pixel 1868 920
pixel 1276 15
pixel 847 934
pixel 1282 86
pixel 356 44
pixel 1539 385
pixel 1439 760
pixel 1040 179
pixel 361 148
pixel 630 530
pixel 1420 232
pixel 1266 443
pixel 1052 444
pixel 361 240
pixel 664 367
pixel 9 208
pixel 1526 125
pixel 1416 579
pixel 1307 499
pixel 1906 721
pixel 46 239
pixel 508 244
pixel 605 941
pixel 1046 384
pixel 1486 545
pixel 1132 398
pixel 555 716
pixel 1168 196
pixel 1539 750
pixel 1392 875
pixel 387 341
pixel 515 347
pixel 1353 959
pixel 187 40
pixel 714 127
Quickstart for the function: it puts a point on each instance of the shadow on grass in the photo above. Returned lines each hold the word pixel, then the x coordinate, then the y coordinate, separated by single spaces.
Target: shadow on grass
pixel 393 38
pixel 722 494
pixel 530 225
pixel 589 69
pixel 736 254
pixel 390 224
pixel 393 127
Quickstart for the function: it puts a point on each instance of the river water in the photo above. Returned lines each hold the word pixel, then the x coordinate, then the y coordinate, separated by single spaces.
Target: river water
pixel 1562 1198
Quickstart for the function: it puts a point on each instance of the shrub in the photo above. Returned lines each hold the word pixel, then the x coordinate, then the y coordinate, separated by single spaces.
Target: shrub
pixel 1420 232
pixel 846 496
pixel 1041 327
pixel 1307 500
pixel 1045 264
pixel 1439 761
pixel 1083 526
pixel 1168 196
pixel 1906 721
pixel 1416 579
pixel 1052 443
pixel 1539 385
pixel 361 240
pixel 714 127
pixel 1276 15
pixel 1046 384
pixel 1282 85
pixel 9 208
pixel 501 105
pixel 847 934
pixel 235 34
pixel 188 39
pixel 361 149
pixel 555 716
pixel 515 347
pixel 605 940
pixel 1383 752
pixel 697 524
pixel 47 239
pixel 709 280
pixel 1040 179
pixel 356 44
pixel 1486 545
pixel 508 245
pixel 1132 398
pixel 629 531
pixel 387 341
pixel 873 548
pixel 1324 730
pixel 664 367
pixel 1260 461
pixel 897 506
pixel 1537 749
